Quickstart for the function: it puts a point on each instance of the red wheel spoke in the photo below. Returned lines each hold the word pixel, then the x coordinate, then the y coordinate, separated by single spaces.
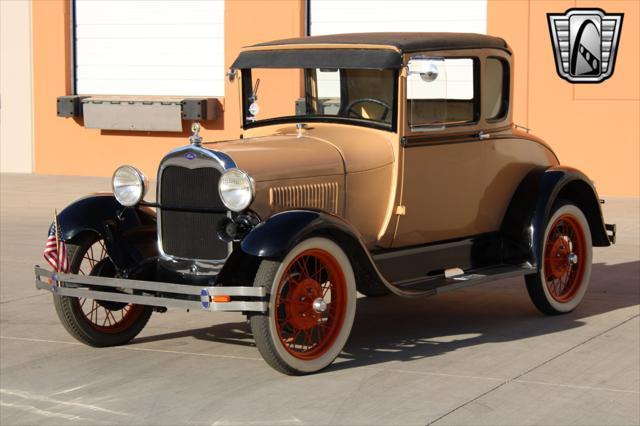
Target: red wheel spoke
pixel 92 261
pixel 103 250
pixel 318 272
pixel 303 267
pixel 307 338
pixel 110 313
pixel 326 289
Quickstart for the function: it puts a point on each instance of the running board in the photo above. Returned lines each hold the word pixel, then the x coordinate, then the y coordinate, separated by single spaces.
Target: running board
pixel 430 286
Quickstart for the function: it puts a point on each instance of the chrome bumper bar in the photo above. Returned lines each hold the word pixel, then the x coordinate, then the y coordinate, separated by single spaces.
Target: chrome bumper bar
pixel 153 293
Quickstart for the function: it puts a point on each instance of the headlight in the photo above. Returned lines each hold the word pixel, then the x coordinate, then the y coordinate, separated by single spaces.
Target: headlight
pixel 128 185
pixel 236 189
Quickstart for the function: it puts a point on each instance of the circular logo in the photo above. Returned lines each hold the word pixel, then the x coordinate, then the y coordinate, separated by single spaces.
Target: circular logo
pixel 205 299
pixel 190 156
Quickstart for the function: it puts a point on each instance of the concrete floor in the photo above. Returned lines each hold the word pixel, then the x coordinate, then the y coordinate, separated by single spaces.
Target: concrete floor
pixel 482 355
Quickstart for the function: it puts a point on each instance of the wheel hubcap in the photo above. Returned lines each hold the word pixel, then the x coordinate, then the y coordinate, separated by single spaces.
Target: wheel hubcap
pixel 310 304
pixel 319 305
pixel 564 256
pixel 301 310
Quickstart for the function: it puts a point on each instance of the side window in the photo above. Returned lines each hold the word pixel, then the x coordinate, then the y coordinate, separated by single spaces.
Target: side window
pixel 495 90
pixel 328 91
pixel 440 92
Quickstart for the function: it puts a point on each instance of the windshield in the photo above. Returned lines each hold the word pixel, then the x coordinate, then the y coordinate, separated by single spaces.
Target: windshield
pixel 359 96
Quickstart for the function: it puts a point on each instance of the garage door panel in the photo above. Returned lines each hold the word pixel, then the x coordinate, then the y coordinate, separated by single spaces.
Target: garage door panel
pixel 159 87
pixel 151 72
pixel 169 31
pixel 148 47
pixel 347 16
pixel 145 12
pixel 139 52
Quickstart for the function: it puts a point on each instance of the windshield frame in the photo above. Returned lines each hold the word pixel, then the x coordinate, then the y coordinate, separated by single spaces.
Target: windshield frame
pixel 247 90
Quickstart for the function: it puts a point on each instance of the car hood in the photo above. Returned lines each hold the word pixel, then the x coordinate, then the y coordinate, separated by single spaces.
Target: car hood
pixel 283 157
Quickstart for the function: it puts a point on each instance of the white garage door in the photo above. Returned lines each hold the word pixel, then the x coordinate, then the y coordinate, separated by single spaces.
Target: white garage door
pixel 149 47
pixel 355 16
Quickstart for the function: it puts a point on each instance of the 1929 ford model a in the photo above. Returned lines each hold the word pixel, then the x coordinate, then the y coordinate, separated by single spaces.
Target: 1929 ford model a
pixel 387 163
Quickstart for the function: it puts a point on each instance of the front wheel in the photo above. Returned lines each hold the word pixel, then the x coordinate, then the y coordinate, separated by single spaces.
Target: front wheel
pixel 312 304
pixel 96 322
pixel 565 269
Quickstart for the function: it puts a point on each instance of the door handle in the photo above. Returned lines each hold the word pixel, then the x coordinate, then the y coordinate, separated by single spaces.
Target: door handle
pixel 482 135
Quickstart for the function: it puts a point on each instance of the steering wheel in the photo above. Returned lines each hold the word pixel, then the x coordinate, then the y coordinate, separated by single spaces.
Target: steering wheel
pixel 349 109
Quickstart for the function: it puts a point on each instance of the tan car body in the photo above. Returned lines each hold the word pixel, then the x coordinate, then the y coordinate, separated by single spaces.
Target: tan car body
pixel 399 188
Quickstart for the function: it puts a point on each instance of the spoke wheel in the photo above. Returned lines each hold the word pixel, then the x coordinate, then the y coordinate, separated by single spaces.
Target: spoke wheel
pixel 103 316
pixel 97 322
pixel 310 304
pixel 564 258
pixel 563 273
pixel 311 307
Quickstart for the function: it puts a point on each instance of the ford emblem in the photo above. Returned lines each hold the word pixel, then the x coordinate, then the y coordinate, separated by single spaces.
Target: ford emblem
pixel 190 156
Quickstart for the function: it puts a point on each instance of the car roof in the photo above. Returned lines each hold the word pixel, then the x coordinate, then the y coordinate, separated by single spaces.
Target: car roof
pixel 404 42
pixel 359 50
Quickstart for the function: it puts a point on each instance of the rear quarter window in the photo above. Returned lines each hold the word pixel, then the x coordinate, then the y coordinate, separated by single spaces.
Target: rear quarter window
pixel 495 90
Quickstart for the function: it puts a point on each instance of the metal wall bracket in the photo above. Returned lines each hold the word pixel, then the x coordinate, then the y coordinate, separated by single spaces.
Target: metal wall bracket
pixel 200 109
pixel 138 113
pixel 69 106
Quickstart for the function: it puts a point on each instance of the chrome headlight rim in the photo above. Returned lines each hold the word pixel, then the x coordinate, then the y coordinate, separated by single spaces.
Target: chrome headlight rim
pixel 138 178
pixel 250 183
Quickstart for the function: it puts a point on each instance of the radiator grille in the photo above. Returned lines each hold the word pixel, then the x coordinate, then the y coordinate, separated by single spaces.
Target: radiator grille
pixel 191 235
pixel 322 196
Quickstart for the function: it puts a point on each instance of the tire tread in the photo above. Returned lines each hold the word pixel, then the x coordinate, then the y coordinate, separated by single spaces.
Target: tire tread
pixel 260 322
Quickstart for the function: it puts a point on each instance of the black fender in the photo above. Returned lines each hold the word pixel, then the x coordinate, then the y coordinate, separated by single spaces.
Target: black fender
pixel 129 233
pixel 275 237
pixel 531 206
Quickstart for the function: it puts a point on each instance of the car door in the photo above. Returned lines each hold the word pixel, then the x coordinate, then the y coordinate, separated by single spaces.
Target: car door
pixel 443 152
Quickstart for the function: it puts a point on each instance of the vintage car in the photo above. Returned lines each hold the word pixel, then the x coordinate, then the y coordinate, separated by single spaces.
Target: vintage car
pixel 373 163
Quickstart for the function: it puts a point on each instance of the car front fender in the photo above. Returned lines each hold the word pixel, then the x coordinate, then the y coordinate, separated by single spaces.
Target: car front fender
pixel 129 232
pixel 275 237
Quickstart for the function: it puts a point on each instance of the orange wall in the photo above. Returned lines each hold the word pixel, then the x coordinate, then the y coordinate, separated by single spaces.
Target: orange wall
pixel 595 128
pixel 62 146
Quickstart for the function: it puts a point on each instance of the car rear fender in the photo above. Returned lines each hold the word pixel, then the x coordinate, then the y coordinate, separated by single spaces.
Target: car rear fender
pixel 129 233
pixel 524 223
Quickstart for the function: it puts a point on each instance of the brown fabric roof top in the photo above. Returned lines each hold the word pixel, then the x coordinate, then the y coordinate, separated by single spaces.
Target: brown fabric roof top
pixel 406 42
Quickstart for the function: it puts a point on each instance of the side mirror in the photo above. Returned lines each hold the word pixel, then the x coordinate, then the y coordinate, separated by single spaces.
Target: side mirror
pixel 427 68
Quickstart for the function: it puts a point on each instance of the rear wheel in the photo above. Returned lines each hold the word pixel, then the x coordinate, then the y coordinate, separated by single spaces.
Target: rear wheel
pixel 96 322
pixel 312 303
pixel 563 276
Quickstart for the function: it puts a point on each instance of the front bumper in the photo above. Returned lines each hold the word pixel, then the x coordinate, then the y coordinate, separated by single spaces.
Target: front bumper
pixel 152 293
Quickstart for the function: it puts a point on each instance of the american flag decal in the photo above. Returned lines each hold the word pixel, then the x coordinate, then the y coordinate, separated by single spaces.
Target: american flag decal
pixel 55 251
